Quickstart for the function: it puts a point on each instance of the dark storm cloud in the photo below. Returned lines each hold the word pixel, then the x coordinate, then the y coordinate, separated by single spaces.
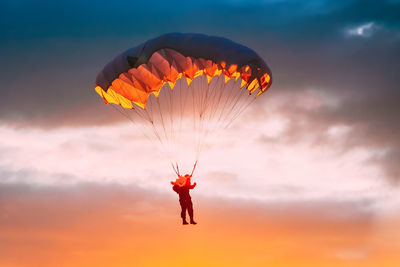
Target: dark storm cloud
pixel 52 53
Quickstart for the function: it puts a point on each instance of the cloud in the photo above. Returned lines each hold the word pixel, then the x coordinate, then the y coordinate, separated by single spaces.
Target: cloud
pixel 91 224
pixel 364 30
pixel 244 168
pixel 48 78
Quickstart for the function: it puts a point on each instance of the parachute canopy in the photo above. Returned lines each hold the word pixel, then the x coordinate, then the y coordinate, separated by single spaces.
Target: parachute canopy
pixel 143 70
pixel 180 88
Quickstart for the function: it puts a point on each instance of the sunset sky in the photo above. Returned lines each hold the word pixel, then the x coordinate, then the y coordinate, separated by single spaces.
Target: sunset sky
pixel 309 175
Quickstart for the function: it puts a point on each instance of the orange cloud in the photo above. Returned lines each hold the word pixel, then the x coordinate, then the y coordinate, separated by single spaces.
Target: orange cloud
pixel 124 226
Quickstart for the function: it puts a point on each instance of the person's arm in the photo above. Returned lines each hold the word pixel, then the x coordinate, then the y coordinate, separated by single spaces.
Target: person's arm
pixel 193 185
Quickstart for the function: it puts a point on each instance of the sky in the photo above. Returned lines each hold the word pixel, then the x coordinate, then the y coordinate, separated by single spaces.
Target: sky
pixel 308 175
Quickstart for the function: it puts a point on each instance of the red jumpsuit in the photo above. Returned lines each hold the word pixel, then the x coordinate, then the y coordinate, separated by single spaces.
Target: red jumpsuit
pixel 184 198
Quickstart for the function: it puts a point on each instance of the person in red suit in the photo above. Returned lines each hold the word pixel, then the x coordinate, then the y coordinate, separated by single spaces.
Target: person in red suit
pixel 182 186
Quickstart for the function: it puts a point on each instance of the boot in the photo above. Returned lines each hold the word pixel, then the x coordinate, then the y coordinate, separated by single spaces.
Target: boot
pixel 184 221
pixel 192 221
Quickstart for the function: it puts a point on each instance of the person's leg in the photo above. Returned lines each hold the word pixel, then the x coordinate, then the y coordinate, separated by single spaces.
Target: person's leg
pixel 183 210
pixel 190 211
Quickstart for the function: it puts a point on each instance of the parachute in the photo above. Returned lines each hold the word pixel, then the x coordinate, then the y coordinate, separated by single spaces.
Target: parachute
pixel 178 89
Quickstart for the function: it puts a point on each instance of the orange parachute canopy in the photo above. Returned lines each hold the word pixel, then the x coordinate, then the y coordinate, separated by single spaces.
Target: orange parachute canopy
pixel 180 88
pixel 143 70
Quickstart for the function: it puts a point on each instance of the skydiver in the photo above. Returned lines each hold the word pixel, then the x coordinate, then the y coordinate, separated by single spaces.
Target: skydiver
pixel 182 186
